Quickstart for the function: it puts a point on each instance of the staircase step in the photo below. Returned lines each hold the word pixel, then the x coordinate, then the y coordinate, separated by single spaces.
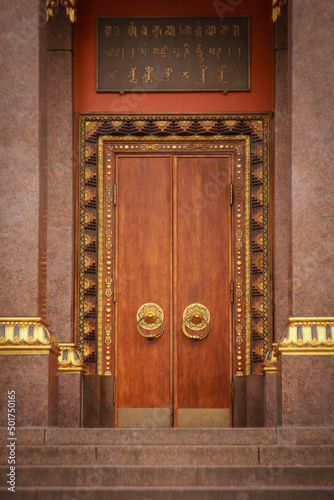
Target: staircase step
pixel 172 493
pixel 172 455
pixel 123 437
pixel 35 436
pixel 227 476
pixel 296 455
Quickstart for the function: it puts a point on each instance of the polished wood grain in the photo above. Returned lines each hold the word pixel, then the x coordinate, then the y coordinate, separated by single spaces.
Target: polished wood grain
pixel 143 223
pixel 203 251
pixel 173 248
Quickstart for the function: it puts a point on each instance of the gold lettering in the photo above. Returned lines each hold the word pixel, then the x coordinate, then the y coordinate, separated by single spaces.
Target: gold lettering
pixel 165 77
pixel 203 69
pixel 211 30
pixel 156 31
pixel 131 76
pixel 220 70
pixel 176 53
pixel 236 30
pixel 199 52
pixel 224 29
pixel 170 30
pixel 198 30
pixel 147 76
pixel 144 31
pixel 215 51
pixel 162 52
pixel 184 74
pixel 113 52
pixel 142 49
pixel 132 29
pixel 185 30
pixel 186 50
pixel 113 75
pixel 111 31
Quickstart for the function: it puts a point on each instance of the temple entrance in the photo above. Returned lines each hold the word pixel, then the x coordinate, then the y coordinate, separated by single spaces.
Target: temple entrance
pixel 173 313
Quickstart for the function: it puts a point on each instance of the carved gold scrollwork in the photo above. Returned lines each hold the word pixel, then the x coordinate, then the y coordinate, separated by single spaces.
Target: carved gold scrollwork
pixel 71 8
pixel 277 4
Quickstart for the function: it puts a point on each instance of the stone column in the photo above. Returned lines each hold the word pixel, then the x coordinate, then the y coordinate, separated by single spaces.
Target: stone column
pixel 23 187
pixel 305 372
pixel 61 217
pixel 305 351
pixel 311 96
pixel 281 174
pixel 28 350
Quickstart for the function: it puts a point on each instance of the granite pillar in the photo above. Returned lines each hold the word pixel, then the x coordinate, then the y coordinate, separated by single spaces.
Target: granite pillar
pixel 61 217
pixel 305 373
pixel 29 369
pixel 281 173
pixel 311 95
pixel 270 399
pixel 23 187
pixel 69 399
pixel 269 370
pixel 306 390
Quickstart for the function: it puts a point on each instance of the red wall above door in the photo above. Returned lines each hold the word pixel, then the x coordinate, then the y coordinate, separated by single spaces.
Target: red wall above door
pixel 259 99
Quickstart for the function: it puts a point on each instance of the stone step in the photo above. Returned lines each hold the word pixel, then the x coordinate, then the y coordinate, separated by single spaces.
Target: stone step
pixel 232 476
pixel 227 436
pixel 172 455
pixel 171 493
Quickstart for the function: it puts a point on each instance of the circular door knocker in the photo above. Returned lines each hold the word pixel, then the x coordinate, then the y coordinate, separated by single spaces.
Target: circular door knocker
pixel 196 317
pixel 149 317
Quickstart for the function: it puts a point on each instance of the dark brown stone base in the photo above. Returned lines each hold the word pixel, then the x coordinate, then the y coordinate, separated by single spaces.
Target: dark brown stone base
pixel 98 401
pixel 248 401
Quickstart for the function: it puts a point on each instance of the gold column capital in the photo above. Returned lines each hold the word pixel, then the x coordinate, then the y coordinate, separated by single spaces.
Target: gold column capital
pixel 26 336
pixel 310 335
pixel 70 359
pixel 270 361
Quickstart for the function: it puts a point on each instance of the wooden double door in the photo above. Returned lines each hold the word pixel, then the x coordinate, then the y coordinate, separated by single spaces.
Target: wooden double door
pixel 173 272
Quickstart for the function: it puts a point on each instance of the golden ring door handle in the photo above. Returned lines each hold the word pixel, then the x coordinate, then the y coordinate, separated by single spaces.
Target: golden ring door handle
pixel 196 317
pixel 149 317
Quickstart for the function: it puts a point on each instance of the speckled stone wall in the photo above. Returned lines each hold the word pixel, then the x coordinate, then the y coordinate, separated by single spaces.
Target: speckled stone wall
pixel 61 219
pixel 270 396
pixel 69 403
pixel 311 68
pixel 23 159
pixel 305 390
pixel 281 191
pixel 36 389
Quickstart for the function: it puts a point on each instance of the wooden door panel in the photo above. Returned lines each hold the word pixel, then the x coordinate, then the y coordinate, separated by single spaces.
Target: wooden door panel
pixel 202 275
pixel 143 274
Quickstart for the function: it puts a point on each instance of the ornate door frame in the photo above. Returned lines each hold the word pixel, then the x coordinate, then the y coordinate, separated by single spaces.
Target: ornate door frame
pixel 251 336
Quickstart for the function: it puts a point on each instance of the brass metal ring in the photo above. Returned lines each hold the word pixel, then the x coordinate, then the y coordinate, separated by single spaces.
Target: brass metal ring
pixel 196 317
pixel 149 317
pixel 150 336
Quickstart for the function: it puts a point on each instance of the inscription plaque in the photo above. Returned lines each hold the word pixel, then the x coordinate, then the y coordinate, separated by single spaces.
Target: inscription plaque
pixel 164 54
